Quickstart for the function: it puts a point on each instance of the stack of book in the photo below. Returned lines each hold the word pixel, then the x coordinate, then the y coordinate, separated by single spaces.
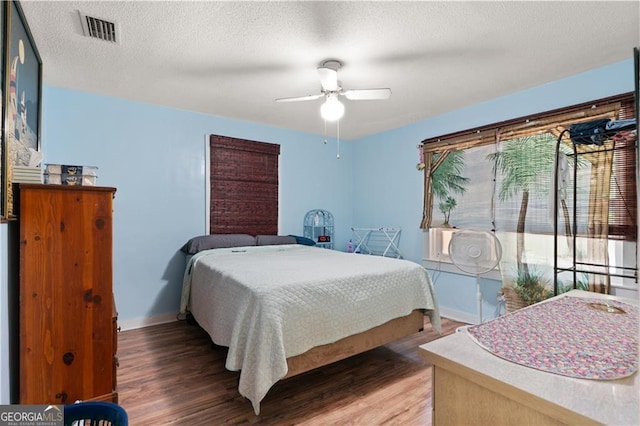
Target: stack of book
pixel 23 174
pixel 64 174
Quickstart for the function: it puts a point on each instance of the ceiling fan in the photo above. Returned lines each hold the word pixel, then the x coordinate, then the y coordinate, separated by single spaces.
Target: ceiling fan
pixel 333 109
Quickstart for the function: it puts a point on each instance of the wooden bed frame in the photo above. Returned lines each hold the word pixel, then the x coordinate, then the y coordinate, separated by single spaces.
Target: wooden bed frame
pixel 351 345
pixel 357 343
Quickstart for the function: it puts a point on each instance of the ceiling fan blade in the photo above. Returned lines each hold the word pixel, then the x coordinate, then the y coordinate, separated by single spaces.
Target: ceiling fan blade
pixel 367 94
pixel 328 79
pixel 301 98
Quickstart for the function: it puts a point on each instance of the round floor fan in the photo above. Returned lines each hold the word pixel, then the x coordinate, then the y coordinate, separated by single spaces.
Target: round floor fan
pixel 475 252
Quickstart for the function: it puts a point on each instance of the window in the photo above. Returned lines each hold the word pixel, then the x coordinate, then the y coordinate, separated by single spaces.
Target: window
pixel 244 186
pixel 500 178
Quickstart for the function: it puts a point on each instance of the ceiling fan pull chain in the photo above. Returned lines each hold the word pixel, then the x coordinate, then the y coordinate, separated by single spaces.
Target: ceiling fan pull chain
pixel 338 134
pixel 325 132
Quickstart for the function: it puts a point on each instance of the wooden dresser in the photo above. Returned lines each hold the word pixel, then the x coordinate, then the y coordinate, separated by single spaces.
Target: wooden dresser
pixel 68 321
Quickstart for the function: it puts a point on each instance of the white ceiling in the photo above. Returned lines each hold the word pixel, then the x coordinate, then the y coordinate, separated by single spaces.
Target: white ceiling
pixel 233 59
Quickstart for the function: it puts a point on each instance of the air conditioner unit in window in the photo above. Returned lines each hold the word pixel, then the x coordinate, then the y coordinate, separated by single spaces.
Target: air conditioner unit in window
pixel 439 239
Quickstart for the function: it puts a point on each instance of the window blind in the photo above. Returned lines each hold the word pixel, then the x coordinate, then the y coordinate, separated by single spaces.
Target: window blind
pixel 244 186
pixel 623 197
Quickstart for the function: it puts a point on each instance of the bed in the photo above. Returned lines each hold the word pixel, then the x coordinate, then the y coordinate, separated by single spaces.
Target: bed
pixel 283 307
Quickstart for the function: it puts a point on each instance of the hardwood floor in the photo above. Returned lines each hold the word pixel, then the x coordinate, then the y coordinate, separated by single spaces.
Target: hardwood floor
pixel 173 374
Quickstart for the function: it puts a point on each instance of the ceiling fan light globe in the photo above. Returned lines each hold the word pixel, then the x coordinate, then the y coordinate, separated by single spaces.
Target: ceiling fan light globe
pixel 332 109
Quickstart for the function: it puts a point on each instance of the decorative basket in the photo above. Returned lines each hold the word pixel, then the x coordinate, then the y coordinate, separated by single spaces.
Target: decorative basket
pixel 513 302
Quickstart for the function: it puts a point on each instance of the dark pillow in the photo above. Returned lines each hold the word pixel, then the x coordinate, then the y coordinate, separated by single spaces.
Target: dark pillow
pixel 206 242
pixel 274 240
pixel 303 240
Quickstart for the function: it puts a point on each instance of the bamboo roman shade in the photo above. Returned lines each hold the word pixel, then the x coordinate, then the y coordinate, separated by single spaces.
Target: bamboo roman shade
pixel 555 121
pixel 623 203
pixel 623 199
pixel 244 186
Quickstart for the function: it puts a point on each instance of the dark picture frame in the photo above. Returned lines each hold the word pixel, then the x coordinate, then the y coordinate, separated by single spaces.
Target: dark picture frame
pixel 21 100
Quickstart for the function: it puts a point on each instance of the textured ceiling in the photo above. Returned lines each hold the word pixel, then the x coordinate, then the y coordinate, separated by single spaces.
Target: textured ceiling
pixel 233 59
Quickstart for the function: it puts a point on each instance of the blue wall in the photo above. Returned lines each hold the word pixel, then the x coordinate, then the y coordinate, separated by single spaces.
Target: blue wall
pixel 155 157
pixel 387 188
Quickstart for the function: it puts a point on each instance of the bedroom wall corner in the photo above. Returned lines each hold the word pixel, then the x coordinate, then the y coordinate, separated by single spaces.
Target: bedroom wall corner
pixel 388 190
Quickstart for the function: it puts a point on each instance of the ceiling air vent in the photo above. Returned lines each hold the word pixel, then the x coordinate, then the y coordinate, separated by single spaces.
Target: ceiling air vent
pixel 99 28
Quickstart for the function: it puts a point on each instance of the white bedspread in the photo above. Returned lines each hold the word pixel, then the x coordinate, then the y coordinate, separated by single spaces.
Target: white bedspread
pixel 269 303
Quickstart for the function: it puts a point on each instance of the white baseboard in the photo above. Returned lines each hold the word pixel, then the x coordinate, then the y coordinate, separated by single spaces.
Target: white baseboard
pixel 147 321
pixel 459 316
pixel 165 318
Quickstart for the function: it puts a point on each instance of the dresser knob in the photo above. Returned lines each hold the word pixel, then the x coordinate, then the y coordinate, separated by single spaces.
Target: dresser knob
pixel 68 358
pixel 62 396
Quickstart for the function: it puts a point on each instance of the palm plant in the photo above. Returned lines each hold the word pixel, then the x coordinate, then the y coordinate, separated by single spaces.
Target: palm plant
pixel 520 162
pixel 447 178
pixel 532 286
pixel 445 208
pixel 571 160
